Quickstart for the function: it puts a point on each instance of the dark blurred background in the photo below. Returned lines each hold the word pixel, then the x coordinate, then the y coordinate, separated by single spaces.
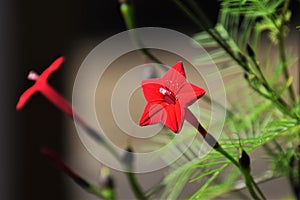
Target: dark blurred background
pixel 32 34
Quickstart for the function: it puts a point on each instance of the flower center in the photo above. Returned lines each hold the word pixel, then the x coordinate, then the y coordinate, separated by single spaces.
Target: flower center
pixel 169 96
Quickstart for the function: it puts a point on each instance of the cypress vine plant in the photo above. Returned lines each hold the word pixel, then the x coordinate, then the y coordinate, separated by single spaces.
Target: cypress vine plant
pixel 267 117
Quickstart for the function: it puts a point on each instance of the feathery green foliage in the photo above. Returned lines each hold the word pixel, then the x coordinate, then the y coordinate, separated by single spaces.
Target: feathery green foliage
pixel 257 120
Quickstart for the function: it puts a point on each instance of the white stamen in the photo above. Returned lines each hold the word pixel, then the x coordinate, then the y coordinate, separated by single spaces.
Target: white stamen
pixel 163 91
pixel 33 76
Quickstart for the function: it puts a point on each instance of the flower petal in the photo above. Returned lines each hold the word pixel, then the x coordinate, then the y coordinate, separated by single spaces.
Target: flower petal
pixel 54 97
pixel 25 97
pixel 53 67
pixel 174 119
pixel 174 77
pixel 151 89
pixel 198 91
pixel 188 94
pixel 153 113
pixel 176 69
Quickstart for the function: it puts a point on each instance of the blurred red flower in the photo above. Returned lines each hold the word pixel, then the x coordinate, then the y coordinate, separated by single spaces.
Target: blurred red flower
pixel 41 85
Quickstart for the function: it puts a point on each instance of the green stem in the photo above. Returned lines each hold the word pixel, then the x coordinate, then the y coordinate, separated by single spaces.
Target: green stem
pixel 127 11
pixel 256 187
pixel 282 49
pixel 199 12
pixel 206 22
pixel 219 149
pixel 135 186
pixel 282 46
pixel 147 53
pixel 248 182
pixel 112 151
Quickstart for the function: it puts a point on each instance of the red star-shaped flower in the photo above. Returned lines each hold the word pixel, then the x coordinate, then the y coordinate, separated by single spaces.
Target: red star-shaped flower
pixel 168 98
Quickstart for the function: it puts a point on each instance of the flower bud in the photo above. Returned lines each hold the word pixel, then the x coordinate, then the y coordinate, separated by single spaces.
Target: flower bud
pixel 128 157
pixel 127 11
pixel 105 178
pixel 244 160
